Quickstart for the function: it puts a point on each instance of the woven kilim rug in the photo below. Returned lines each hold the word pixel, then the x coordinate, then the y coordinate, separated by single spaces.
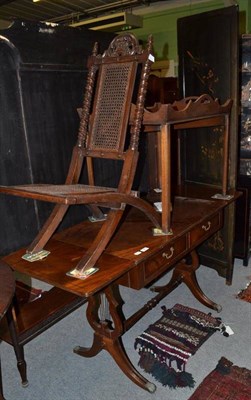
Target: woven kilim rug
pixel 165 346
pixel 245 294
pixel 225 382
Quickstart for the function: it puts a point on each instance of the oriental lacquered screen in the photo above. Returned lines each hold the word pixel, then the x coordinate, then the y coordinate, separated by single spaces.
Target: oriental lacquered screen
pixel 208 63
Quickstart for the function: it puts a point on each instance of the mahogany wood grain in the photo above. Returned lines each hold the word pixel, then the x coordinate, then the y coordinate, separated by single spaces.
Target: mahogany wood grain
pixel 134 258
pixel 25 321
pixel 7 290
pixel 191 112
pixel 120 257
pixel 7 287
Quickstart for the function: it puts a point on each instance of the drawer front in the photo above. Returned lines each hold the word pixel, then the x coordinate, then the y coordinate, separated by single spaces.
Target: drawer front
pixel 205 229
pixel 164 258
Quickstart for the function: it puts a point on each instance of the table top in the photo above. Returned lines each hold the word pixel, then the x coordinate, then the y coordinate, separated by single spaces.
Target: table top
pixel 195 108
pixel 7 287
pixel 122 254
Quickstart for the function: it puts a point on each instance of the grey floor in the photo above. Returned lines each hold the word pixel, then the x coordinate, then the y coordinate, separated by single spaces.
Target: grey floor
pixel 55 372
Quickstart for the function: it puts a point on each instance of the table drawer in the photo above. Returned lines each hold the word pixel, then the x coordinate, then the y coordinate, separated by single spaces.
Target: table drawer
pixel 205 229
pixel 165 257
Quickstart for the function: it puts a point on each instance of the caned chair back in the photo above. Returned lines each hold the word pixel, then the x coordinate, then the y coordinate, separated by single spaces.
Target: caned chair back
pixel 109 93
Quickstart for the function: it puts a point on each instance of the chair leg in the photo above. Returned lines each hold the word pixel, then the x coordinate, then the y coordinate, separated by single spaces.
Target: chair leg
pixel 99 244
pixel 19 350
pixel 96 213
pixel 48 229
pixel 106 232
pixel 51 225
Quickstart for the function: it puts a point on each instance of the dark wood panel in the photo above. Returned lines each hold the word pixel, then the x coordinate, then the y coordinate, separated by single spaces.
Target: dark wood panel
pixel 242 246
pixel 208 63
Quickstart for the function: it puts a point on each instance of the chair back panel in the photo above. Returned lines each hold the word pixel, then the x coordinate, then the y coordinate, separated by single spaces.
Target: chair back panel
pixel 112 85
pixel 112 106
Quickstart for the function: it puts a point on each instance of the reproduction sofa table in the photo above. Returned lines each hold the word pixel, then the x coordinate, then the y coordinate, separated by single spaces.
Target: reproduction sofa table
pixel 133 258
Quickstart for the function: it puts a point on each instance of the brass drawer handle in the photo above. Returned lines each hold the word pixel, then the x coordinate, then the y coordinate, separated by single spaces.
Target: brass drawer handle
pixel 167 256
pixel 206 228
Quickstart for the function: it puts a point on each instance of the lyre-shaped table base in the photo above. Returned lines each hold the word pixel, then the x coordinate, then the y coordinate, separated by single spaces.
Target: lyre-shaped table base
pixel 108 333
pixel 134 258
pixel 185 272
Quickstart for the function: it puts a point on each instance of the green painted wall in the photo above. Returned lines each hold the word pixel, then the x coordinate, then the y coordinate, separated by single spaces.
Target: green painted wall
pixel 163 25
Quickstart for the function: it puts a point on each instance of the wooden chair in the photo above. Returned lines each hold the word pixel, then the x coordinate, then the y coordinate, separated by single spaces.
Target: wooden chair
pixel 104 125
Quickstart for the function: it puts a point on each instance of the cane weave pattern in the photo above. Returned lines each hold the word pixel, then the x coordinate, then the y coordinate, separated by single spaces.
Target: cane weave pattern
pixel 111 104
